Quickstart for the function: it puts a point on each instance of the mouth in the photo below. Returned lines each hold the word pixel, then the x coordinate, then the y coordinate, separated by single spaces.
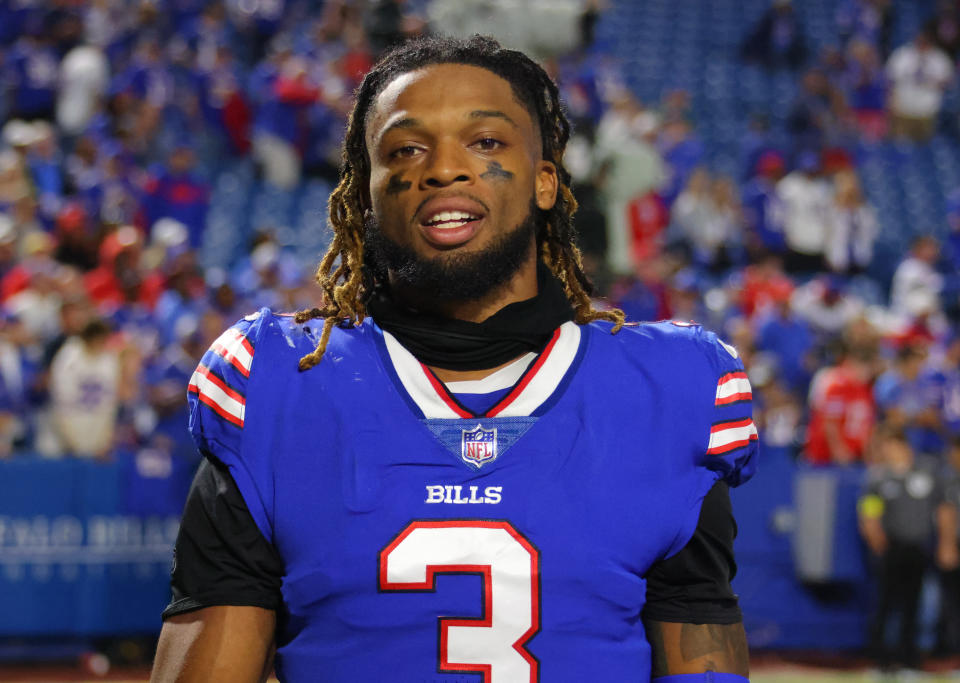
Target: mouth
pixel 445 228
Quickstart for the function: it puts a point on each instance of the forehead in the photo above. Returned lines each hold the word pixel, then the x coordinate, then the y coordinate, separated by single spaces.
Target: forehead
pixel 443 88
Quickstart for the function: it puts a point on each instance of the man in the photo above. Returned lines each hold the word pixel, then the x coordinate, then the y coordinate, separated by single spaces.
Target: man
pixel 906 522
pixel 486 447
pixel 842 410
pixel 919 73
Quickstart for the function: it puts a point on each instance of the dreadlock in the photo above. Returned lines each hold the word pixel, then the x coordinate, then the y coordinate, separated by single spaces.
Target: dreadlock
pixel 348 286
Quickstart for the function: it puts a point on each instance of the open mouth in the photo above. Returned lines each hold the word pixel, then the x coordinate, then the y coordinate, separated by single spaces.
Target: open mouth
pixel 449 220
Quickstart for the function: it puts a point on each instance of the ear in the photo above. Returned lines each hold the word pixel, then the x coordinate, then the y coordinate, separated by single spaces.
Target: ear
pixel 546 185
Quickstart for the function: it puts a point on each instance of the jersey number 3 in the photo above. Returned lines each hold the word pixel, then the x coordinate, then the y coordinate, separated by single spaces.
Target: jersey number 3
pixel 494 644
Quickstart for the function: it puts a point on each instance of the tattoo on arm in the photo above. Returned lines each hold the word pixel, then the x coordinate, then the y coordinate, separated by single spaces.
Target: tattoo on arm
pixel 496 172
pixel 397 184
pixel 697 648
pixel 698 641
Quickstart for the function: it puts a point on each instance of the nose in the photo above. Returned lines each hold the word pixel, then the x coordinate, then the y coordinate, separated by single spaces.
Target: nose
pixel 447 165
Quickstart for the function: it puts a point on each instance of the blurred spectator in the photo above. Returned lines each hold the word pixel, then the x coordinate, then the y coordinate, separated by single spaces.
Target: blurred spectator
pixel 817 116
pixel 8 246
pixel 644 296
pixel 37 297
pixel 166 375
pixel 916 284
pixel 223 100
pixel 629 167
pixel 45 165
pixel 851 226
pixel 908 397
pixel 762 210
pixel 83 170
pixel 948 641
pixel 115 198
pixel 779 415
pixel 805 198
pixel 540 28
pixel 683 151
pixel 827 306
pixel 16 377
pixel 707 217
pixel 175 191
pixel 84 77
pixel 777 40
pixel 763 285
pixel 950 387
pixel 919 72
pixel 76 244
pixel 685 298
pixel 182 299
pixel 75 312
pixel 869 21
pixel 864 83
pixel 842 411
pixel 647 218
pixel 944 28
pixel 383 22
pixel 791 341
pixel 903 517
pixel 122 278
pixel 30 69
pixel 85 381
pixel 285 92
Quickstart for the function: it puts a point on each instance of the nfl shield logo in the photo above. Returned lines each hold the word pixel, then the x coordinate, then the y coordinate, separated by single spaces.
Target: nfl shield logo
pixel 478 445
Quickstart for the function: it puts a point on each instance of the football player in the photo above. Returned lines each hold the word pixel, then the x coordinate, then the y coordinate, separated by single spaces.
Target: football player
pixel 455 468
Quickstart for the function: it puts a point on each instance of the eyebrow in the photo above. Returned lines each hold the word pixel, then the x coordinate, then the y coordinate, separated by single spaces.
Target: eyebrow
pixel 475 114
pixel 492 113
pixel 402 123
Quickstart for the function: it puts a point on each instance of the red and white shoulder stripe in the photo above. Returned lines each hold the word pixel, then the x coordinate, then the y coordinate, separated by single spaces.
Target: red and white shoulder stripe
pixel 734 387
pixel 730 435
pixel 225 401
pixel 234 347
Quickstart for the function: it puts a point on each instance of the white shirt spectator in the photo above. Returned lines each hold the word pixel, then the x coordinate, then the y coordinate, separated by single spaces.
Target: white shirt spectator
pixel 850 236
pixel 84 76
pixel 84 384
pixel 918 76
pixel 805 200
pixel 915 288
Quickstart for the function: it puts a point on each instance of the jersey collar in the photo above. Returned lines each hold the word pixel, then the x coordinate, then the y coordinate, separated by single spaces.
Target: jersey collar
pixel 534 387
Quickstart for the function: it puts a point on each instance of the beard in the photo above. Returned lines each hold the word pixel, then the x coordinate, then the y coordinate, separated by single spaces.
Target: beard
pixel 454 277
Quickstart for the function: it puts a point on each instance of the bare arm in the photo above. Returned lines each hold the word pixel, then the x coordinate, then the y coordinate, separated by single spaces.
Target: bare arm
pixel 697 648
pixel 214 645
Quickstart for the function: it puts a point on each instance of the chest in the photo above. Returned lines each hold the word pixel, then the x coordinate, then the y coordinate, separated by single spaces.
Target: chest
pixel 533 533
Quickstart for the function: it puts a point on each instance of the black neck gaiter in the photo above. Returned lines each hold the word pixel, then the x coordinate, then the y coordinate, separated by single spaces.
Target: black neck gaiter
pixel 452 344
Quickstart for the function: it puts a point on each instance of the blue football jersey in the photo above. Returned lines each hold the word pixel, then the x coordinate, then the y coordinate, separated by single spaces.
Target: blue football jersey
pixel 424 542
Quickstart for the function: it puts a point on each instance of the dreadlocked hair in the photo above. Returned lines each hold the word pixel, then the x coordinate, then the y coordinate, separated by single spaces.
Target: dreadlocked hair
pixel 347 281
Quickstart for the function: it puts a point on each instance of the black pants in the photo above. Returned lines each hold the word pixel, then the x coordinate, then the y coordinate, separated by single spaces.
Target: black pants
pixel 899 584
pixel 948 626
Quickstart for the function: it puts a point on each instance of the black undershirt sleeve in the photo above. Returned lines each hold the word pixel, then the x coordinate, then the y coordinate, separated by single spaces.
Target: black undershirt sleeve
pixel 220 556
pixel 693 586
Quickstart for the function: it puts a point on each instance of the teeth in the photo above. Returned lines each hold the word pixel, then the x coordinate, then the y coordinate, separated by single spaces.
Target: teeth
pixel 447 216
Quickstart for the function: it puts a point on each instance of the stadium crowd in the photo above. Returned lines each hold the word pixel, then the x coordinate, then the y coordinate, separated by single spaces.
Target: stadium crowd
pixel 118 117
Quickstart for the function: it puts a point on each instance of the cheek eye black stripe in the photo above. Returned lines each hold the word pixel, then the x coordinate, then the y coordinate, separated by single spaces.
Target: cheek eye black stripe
pixel 397 184
pixel 496 172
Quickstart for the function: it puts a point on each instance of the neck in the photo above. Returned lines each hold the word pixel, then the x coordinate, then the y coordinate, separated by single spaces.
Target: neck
pixel 521 287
